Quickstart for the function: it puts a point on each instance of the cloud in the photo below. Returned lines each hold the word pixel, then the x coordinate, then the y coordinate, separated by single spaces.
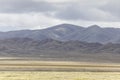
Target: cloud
pixel 33 14
pixel 89 10
pixel 25 6
pixel 26 21
pixel 112 7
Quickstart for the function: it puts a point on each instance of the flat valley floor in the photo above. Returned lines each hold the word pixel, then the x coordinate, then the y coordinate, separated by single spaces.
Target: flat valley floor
pixel 27 75
pixel 57 70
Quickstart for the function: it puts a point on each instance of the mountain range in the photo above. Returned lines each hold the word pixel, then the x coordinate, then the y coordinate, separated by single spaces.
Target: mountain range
pixel 63 42
pixel 68 32
pixel 50 49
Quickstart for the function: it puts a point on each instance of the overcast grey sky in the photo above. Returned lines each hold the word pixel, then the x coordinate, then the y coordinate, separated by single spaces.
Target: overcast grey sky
pixel 37 14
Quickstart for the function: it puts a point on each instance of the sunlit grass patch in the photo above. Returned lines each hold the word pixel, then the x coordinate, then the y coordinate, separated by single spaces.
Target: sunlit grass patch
pixel 19 75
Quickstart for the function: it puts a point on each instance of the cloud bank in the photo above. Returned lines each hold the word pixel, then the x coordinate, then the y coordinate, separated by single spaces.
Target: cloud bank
pixel 32 14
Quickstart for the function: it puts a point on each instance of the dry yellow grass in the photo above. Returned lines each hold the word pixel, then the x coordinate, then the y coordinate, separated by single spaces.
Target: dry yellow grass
pixel 17 65
pixel 32 70
pixel 59 75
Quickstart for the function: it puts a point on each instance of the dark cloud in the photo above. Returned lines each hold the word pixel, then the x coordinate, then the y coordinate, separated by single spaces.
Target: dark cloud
pixel 24 6
pixel 91 11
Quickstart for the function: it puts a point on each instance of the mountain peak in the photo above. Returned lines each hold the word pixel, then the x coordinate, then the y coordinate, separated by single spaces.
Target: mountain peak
pixel 67 25
pixel 64 24
pixel 94 26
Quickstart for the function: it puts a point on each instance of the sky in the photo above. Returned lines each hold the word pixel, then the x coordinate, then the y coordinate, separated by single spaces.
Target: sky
pixel 39 14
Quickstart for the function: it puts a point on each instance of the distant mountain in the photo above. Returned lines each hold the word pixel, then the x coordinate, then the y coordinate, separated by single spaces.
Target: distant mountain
pixel 67 32
pixel 58 50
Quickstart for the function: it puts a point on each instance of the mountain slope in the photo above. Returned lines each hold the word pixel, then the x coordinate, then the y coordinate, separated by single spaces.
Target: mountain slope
pixel 67 32
pixel 58 50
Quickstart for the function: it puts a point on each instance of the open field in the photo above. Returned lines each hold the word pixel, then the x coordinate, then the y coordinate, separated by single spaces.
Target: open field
pixel 35 65
pixel 57 70
pixel 59 75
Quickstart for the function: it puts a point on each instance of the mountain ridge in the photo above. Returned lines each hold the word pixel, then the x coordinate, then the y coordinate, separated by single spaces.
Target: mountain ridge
pixel 66 32
pixel 59 50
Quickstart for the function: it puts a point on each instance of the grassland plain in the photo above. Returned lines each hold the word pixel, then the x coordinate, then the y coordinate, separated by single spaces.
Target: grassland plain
pixel 18 65
pixel 57 70
pixel 27 75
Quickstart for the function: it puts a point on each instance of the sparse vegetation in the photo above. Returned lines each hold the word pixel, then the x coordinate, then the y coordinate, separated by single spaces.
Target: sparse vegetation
pixel 22 65
pixel 59 76
pixel 58 70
